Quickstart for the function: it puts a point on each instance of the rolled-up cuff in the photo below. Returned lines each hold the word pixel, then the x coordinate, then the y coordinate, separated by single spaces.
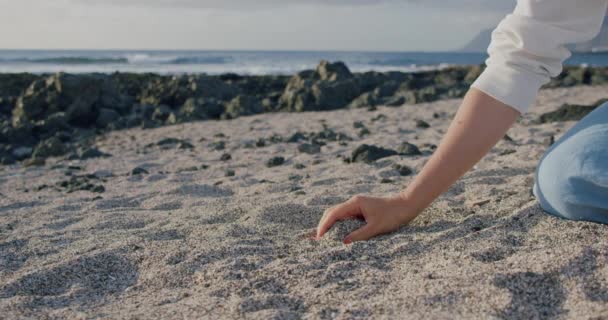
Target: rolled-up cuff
pixel 515 88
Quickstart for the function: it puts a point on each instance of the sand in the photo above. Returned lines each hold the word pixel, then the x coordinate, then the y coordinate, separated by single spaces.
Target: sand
pixel 181 242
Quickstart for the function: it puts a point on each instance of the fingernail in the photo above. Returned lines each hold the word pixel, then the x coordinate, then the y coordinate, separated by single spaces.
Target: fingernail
pixel 348 240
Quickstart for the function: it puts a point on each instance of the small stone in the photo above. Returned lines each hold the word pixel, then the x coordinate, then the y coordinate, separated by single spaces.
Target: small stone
pixel 225 157
pixel 299 166
pixel 309 148
pixel 218 145
pixel 364 132
pixel 369 153
pixel 508 138
pixel 139 170
pixel 98 189
pixel 275 161
pixel 261 142
pixel 506 152
pixel 422 124
pixel 408 149
pixel 358 125
pixel 378 117
pixel 403 170
pixel 229 173
pixel 296 137
pixel 93 153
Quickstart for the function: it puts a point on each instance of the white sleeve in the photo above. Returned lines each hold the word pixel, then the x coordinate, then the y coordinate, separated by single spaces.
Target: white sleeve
pixel 528 47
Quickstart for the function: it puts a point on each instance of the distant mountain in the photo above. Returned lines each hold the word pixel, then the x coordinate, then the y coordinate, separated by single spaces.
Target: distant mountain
pixel 598 44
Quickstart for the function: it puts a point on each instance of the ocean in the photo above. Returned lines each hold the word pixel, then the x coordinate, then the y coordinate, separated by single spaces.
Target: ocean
pixel 241 62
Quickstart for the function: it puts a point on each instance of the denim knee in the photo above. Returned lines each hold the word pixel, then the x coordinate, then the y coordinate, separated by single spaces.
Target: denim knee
pixel 572 177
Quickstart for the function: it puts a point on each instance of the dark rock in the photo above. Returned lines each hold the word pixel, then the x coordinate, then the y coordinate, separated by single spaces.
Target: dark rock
pixel 243 105
pixel 90 153
pixel 275 138
pixel 378 118
pixel 299 166
pixel 200 109
pixel 40 97
pixel 403 170
pixel 138 171
pixel 358 125
pixel 309 148
pixel 51 147
pixel 473 73
pixel 54 123
pixel 81 112
pixel 508 138
pixel 408 149
pixel 187 169
pixel 369 153
pixel 426 94
pixel 167 143
pixel 85 182
pixel 229 173
pixel 176 90
pixel 330 86
pixel 106 117
pixel 386 89
pixel 296 137
pixel 161 113
pixel 218 145
pixel 569 112
pixel 225 157
pixel 327 134
pixel 22 153
pixel 333 71
pixel 396 101
pixel 363 101
pixel 261 142
pixel 275 161
pixel 507 151
pixel 422 124
pixel 7 159
pixel 364 132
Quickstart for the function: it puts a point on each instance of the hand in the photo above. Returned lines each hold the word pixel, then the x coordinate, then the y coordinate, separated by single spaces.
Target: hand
pixel 382 215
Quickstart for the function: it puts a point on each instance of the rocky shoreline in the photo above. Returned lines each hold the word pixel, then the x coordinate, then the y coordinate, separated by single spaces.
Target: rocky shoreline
pixel 47 115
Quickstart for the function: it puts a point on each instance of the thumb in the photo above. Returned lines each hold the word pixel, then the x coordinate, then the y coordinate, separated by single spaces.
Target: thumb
pixel 361 234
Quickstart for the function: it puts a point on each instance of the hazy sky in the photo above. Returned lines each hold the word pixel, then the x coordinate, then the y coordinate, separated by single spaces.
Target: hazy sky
pixel 376 25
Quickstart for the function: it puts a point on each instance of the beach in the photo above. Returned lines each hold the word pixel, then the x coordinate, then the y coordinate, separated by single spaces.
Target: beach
pixel 212 219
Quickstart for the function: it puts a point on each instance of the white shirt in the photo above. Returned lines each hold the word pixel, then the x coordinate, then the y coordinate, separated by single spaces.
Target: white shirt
pixel 528 47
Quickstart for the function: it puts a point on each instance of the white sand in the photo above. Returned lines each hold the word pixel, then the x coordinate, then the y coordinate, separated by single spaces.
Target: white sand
pixel 177 246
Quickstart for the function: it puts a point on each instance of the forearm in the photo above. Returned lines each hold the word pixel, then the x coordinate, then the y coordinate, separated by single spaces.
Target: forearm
pixel 480 122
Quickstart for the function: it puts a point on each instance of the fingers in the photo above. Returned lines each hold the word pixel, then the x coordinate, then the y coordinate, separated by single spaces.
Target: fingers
pixel 364 233
pixel 341 211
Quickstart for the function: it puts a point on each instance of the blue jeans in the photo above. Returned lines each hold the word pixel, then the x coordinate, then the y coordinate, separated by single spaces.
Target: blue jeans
pixel 571 179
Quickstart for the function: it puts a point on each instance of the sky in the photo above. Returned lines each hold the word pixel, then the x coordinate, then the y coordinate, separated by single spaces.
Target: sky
pixel 368 25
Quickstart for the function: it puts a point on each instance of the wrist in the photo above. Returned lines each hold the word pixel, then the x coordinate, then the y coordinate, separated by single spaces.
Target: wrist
pixel 408 210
